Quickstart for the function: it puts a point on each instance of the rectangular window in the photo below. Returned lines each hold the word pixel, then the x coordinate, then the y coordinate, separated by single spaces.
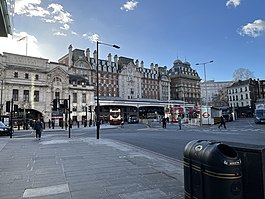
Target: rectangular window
pixel 26 96
pixel 36 77
pixel 26 75
pixel 83 98
pixel 74 97
pixel 16 74
pixel 15 94
pixel 36 96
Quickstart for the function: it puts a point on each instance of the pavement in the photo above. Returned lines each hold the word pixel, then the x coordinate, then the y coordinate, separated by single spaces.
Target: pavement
pixel 58 167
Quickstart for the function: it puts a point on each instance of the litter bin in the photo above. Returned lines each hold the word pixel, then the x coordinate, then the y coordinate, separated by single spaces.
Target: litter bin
pixel 253 168
pixel 212 170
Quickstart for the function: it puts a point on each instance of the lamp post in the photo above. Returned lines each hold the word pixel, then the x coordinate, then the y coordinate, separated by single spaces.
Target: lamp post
pixel 206 95
pixel 97 111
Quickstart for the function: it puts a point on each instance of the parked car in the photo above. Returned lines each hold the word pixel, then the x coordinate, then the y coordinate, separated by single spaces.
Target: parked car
pixel 4 130
pixel 133 119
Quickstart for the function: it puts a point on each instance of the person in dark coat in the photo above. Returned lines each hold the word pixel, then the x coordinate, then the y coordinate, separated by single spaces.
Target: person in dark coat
pixel 164 122
pixel 38 128
pixel 222 122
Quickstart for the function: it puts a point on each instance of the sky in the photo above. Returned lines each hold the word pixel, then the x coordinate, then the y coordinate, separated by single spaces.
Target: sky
pixel 229 32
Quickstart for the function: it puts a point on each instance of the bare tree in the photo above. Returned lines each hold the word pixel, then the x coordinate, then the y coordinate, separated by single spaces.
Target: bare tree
pixel 242 74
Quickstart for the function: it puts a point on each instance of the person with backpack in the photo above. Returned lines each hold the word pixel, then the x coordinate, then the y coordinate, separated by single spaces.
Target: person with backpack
pixel 38 128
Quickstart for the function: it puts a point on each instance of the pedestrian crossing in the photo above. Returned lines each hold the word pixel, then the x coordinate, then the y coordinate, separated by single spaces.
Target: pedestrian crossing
pixel 206 130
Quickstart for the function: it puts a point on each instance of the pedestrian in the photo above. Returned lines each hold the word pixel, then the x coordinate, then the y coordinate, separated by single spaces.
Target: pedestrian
pixel 122 123
pixel 38 128
pixel 164 122
pixel 222 122
pixel 179 122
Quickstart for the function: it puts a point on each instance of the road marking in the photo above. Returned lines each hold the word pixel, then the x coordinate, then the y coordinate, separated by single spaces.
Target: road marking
pixel 44 191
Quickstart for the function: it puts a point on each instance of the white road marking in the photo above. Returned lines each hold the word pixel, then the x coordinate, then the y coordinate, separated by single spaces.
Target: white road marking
pixel 44 191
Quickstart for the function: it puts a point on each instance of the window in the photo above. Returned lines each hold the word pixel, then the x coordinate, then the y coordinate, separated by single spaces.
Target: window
pixel 26 75
pixel 16 74
pixel 36 77
pixel 15 94
pixel 74 97
pixel 36 96
pixel 83 98
pixel 26 96
pixel 246 96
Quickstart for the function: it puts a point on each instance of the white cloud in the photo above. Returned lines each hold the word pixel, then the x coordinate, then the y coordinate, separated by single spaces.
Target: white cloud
pixel 30 8
pixel 254 29
pixel 54 13
pixel 91 37
pixel 59 15
pixel 59 34
pixel 28 45
pixel 74 33
pixel 234 3
pixel 65 27
pixel 129 5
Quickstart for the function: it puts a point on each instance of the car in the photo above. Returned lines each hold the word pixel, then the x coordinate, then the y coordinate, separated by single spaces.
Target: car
pixel 4 130
pixel 133 119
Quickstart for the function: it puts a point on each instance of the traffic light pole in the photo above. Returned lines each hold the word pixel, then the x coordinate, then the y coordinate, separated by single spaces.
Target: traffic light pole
pixel 11 118
pixel 65 107
pixel 69 116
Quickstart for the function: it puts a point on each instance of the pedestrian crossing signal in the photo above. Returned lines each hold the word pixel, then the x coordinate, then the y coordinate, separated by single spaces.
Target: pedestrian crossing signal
pixel 54 105
pixel 8 106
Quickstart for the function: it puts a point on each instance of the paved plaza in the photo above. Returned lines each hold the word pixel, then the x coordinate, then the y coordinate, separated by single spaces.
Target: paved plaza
pixel 76 168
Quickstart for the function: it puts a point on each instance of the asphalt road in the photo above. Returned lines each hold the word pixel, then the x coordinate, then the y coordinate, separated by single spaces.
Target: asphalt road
pixel 170 141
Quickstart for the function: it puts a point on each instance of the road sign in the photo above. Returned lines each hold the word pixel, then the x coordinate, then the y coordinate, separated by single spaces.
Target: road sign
pixel 205 115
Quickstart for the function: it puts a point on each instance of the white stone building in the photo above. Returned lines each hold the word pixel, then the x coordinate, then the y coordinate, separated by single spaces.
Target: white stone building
pixel 33 83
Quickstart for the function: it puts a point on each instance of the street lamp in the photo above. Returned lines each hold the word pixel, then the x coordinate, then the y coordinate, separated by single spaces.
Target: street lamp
pixel 97 112
pixel 206 95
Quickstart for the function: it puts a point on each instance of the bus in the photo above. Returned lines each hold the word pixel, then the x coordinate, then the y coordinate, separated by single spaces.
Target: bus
pixel 175 112
pixel 115 116
pixel 260 111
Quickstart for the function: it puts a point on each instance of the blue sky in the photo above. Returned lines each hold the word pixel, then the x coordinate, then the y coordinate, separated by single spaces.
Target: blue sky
pixel 229 32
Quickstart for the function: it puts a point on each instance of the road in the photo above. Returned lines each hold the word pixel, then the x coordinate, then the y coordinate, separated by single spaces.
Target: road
pixel 170 142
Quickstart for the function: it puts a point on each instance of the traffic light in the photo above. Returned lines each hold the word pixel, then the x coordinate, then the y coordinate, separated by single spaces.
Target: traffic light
pixel 65 103
pixel 54 104
pixel 7 106
pixel 15 108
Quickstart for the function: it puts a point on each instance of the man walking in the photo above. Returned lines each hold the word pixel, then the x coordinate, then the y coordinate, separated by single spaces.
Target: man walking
pixel 164 122
pixel 38 128
pixel 179 122
pixel 222 122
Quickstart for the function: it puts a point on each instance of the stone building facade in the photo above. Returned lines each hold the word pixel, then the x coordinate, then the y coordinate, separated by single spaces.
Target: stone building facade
pixel 242 96
pixel 185 83
pixel 119 77
pixel 33 83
